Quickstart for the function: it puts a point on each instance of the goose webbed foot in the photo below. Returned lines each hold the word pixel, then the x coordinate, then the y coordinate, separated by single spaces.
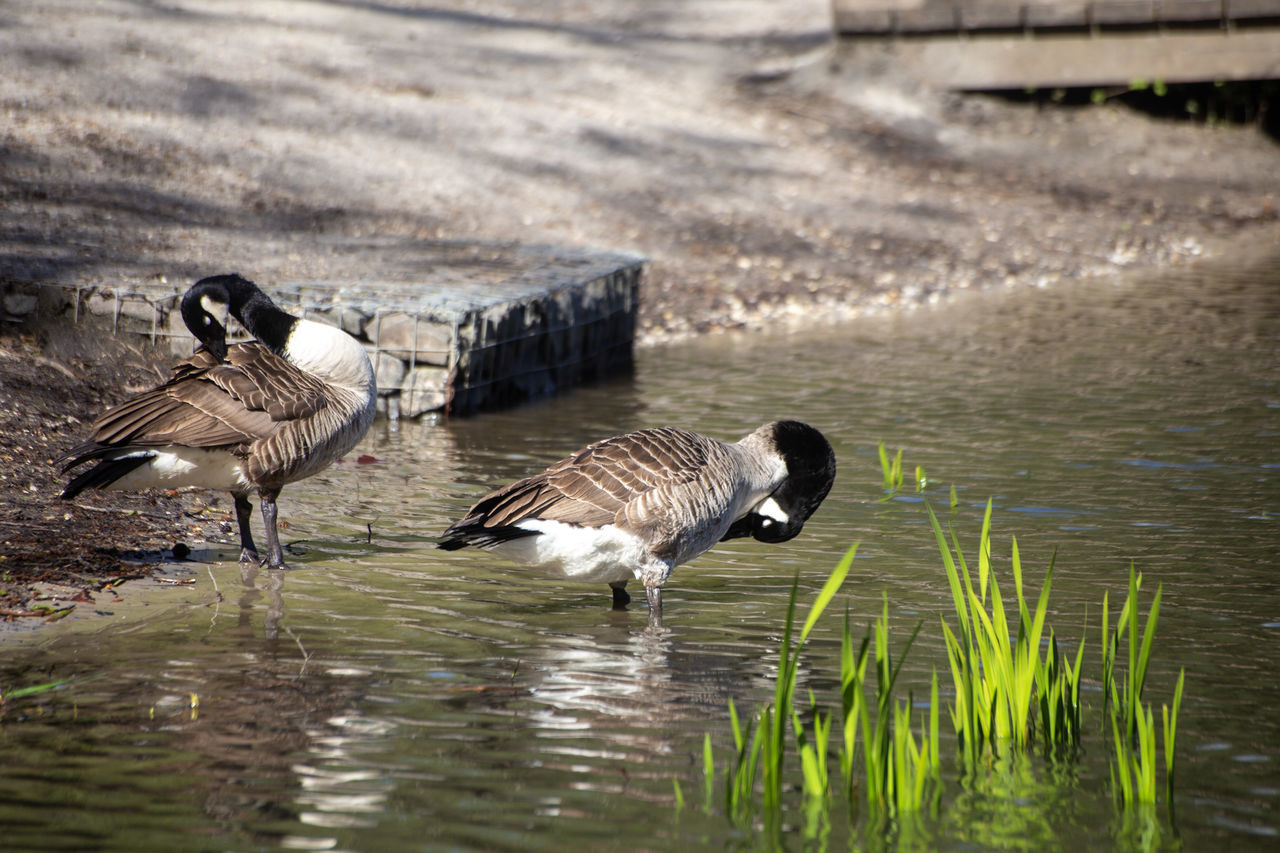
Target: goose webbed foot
pixel 653 594
pixel 621 598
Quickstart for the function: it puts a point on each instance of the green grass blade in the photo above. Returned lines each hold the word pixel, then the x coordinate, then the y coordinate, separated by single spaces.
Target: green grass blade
pixel 708 773
pixel 1170 719
pixel 984 553
pixel 1133 693
pixel 19 692
pixel 828 591
pixel 1121 766
pixel 953 579
pixel 1146 757
pixel 1074 717
pixel 734 723
pixel 1015 564
pixel 935 761
pixel 1148 637
pixel 1108 657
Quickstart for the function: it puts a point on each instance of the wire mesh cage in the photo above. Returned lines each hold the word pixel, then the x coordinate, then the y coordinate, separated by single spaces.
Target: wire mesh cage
pixel 487 327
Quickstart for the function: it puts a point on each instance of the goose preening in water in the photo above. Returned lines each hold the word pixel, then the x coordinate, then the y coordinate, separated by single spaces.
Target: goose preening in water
pixel 640 504
pixel 243 418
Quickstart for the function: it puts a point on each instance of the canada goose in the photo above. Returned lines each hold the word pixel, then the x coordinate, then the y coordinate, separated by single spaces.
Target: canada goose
pixel 638 505
pixel 242 418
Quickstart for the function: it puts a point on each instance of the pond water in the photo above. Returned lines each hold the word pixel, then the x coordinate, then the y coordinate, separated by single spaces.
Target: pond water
pixel 386 695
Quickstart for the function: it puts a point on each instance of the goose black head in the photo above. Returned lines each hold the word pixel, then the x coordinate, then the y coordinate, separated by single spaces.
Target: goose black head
pixel 205 308
pixel 811 469
pixel 218 296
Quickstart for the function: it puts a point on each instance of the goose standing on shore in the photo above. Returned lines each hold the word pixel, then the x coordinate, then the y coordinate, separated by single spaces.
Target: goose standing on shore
pixel 249 417
pixel 638 505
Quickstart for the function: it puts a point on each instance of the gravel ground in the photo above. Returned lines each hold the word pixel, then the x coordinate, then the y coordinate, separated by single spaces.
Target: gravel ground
pixel 770 175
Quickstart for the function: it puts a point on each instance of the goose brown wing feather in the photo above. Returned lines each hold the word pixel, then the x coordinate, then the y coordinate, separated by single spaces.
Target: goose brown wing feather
pixel 263 381
pixel 598 484
pixel 207 403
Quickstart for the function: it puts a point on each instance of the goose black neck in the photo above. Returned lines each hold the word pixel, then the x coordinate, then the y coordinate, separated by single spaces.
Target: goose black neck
pixel 253 308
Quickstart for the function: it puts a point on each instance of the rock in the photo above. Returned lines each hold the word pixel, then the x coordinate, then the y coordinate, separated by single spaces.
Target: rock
pixel 124 306
pixel 19 304
pixel 404 334
pixel 425 390
pixel 390 371
pixel 344 317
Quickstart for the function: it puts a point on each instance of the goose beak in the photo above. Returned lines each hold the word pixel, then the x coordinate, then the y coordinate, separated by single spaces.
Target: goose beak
pixel 773 532
pixel 771 523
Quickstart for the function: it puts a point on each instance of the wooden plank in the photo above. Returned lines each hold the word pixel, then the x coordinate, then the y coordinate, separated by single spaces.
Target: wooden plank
pixel 1208 12
pixel 1139 13
pixel 1057 15
pixel 990 16
pixel 1016 61
pixel 930 18
pixel 1244 10
pixel 866 21
pixel 933 17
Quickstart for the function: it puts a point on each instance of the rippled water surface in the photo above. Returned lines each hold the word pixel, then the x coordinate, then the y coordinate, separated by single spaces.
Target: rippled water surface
pixel 386 695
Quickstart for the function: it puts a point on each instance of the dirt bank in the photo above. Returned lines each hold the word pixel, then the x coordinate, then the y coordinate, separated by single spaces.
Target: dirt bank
pixel 769 176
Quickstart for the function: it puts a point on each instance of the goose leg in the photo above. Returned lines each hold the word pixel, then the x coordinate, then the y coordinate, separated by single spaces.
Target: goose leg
pixel 275 554
pixel 653 594
pixel 620 596
pixel 244 510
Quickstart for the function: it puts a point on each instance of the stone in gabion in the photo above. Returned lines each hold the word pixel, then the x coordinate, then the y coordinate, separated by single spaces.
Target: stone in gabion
pixel 402 334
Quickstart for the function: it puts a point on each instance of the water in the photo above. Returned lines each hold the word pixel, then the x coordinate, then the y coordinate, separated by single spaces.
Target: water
pixel 386 695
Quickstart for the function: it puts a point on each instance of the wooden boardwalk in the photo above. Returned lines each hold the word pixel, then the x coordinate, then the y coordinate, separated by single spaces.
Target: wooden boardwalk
pixel 949 17
pixel 980 44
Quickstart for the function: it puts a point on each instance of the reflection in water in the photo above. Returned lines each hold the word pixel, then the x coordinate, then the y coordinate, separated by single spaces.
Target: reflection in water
pixel 582 677
pixel 273 587
pixel 385 695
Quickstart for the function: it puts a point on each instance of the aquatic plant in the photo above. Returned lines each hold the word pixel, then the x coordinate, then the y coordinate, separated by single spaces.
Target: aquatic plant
pixel 996 681
pixel 774 717
pixel 1009 697
pixel 1126 698
pixel 901 771
pixel 1132 722
pixel 890 470
pixel 19 692
pixel 760 743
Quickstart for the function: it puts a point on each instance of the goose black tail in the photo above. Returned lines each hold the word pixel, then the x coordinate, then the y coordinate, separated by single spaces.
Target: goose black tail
pixel 105 473
pixel 476 535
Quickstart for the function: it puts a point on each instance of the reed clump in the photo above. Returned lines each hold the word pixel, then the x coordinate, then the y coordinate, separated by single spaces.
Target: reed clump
pixel 1015 691
pixel 1005 691
pixel 900 770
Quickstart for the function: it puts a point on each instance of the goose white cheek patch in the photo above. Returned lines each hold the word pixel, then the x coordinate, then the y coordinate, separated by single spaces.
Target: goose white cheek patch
pixel 769 509
pixel 214 307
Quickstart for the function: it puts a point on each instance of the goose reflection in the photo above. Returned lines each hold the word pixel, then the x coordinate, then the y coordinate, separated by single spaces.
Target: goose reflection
pixel 271 589
pixel 636 692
